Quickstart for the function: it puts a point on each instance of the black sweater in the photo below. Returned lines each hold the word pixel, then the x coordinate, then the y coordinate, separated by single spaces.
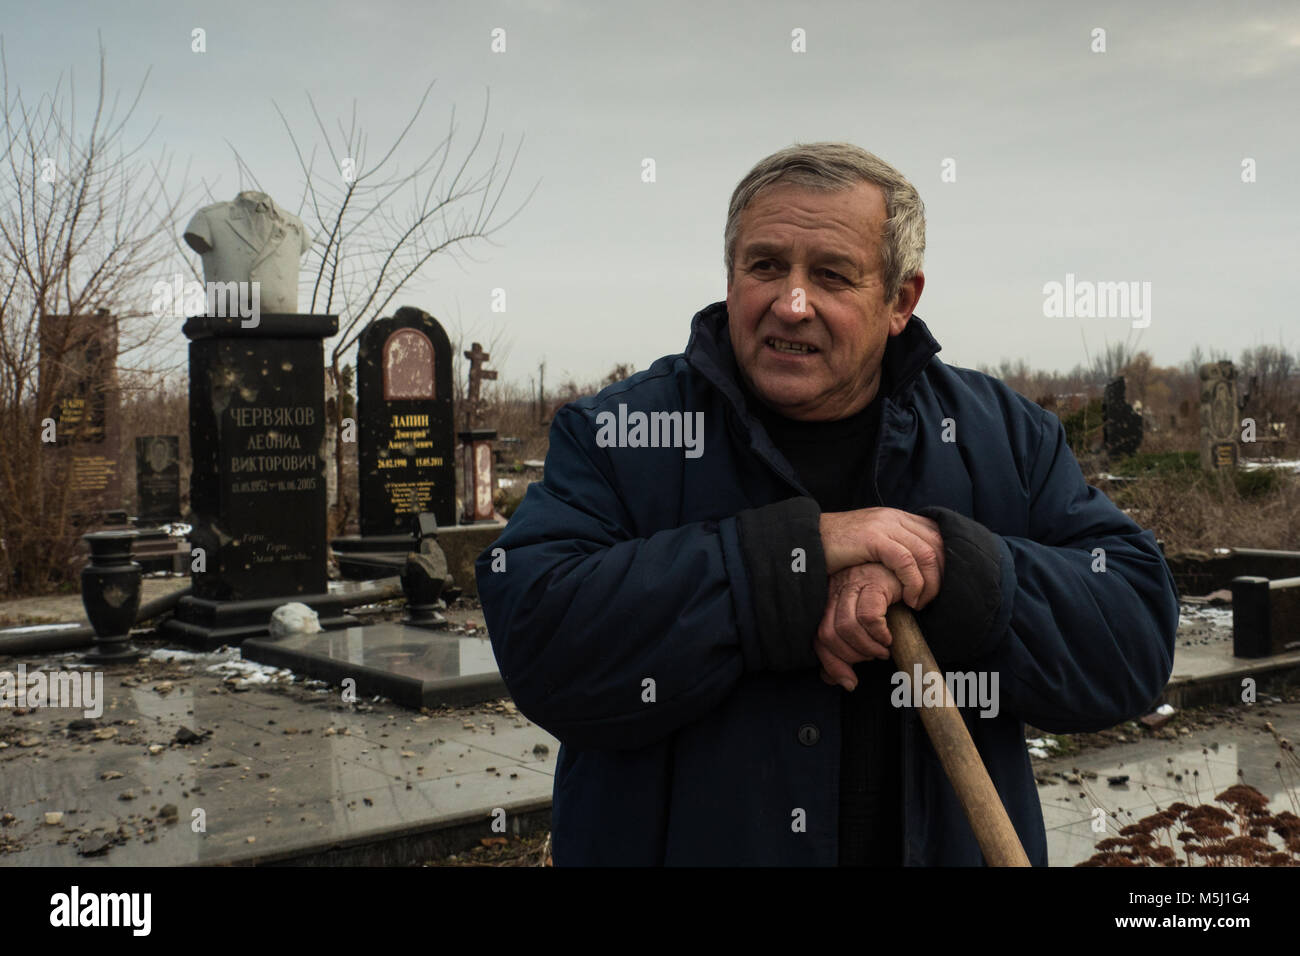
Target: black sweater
pixel 834 460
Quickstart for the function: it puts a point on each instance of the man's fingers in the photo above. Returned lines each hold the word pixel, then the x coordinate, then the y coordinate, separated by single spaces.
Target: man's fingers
pixel 839 672
pixel 828 637
pixel 922 561
pixel 926 528
pixel 928 531
pixel 849 625
pixel 898 557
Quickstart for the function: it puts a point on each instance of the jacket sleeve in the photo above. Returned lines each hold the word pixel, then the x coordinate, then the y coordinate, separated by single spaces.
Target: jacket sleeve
pixel 1090 606
pixel 611 640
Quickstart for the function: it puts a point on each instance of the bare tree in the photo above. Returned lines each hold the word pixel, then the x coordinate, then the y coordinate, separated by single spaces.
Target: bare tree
pixel 85 223
pixel 1268 371
pixel 366 252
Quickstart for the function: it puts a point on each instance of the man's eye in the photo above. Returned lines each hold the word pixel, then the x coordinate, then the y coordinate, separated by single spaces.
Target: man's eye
pixel 833 276
pixel 763 264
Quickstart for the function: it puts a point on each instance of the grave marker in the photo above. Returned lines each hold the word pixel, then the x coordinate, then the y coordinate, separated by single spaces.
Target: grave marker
pixel 1122 426
pixel 405 436
pixel 1219 422
pixel 477 376
pixel 78 369
pixel 158 478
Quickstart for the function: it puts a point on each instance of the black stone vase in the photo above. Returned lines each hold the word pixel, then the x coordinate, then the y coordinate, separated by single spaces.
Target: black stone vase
pixel 110 591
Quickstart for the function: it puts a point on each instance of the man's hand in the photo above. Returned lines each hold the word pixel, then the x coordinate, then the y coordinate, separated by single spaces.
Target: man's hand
pixel 853 628
pixel 906 544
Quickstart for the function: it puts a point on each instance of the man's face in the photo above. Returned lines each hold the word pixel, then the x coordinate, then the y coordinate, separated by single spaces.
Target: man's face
pixel 807 274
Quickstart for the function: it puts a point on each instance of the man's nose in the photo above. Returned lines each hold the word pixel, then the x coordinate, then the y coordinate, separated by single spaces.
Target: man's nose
pixel 792 303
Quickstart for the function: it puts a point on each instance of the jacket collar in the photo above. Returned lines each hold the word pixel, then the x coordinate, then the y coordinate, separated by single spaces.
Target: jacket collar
pixel 709 351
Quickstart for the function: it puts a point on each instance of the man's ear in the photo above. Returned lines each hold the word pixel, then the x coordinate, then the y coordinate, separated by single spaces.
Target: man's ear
pixel 909 294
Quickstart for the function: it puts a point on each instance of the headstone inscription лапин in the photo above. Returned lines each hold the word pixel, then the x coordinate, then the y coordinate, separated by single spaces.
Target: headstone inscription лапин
pixel 405 427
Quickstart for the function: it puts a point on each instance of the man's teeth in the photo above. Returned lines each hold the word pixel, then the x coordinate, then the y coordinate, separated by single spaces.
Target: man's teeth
pixel 782 346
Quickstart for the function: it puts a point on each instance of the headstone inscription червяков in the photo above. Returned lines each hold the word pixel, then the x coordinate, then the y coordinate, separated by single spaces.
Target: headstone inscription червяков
pixel 257 431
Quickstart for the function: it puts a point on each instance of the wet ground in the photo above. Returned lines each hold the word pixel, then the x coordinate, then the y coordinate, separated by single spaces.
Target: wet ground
pixel 1192 759
pixel 209 759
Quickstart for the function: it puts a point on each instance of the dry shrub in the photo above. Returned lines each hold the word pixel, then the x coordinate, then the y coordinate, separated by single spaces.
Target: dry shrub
pixel 1212 836
pixel 1193 510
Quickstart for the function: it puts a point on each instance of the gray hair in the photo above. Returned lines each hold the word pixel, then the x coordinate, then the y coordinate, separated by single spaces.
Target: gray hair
pixel 835 166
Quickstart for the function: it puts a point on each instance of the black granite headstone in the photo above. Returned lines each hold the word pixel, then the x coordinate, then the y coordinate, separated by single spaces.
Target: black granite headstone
pixel 1122 428
pixel 257 434
pixel 158 477
pixel 411 666
pixel 405 437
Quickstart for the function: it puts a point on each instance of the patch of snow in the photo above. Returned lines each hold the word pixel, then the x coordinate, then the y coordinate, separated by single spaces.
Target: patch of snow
pixel 227 661
pixel 182 657
pixel 1255 465
pixel 1219 618
pixel 37 627
pixel 1164 710
pixel 249 672
pixel 1039 746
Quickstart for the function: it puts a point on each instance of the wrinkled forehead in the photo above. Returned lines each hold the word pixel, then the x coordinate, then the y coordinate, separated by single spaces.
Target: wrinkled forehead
pixel 846 222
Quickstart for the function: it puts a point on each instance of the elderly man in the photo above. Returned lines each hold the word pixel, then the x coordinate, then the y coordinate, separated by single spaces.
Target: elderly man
pixel 693 600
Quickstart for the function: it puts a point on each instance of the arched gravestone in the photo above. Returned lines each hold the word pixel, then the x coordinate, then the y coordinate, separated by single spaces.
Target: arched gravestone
pixel 406 441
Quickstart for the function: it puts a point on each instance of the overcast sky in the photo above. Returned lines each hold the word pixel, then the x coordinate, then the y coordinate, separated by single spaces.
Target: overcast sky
pixel 1123 165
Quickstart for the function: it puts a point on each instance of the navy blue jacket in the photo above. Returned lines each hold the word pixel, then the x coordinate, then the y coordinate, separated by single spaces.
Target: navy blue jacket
pixel 622 612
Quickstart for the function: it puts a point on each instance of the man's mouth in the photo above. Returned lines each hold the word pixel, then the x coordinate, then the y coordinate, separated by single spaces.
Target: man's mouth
pixel 790 348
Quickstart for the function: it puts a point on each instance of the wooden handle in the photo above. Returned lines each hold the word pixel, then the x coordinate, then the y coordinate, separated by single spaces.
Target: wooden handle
pixel 952 742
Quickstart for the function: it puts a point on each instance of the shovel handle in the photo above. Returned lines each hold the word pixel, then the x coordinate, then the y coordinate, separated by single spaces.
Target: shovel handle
pixel 952 742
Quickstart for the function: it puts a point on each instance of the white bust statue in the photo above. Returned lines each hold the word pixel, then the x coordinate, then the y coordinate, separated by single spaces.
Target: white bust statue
pixel 251 240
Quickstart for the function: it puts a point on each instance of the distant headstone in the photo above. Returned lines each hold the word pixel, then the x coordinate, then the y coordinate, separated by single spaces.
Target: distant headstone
pixel 405 426
pixel 477 376
pixel 78 371
pixel 1218 416
pixel 1122 426
pixel 158 477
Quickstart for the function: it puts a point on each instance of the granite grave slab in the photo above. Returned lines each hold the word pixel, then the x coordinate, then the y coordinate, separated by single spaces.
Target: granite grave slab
pixel 412 666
